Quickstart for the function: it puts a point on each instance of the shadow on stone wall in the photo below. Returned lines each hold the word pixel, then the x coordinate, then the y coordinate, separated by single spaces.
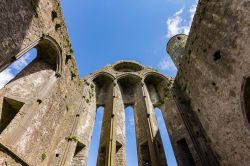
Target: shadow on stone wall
pixel 16 18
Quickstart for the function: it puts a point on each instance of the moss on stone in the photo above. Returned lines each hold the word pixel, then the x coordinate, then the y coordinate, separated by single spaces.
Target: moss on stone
pixel 68 57
pixel 71 138
pixel 73 75
pixel 33 4
pixel 57 26
pixel 44 156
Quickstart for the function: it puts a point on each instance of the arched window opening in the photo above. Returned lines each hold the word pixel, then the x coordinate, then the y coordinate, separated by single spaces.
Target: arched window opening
pixel 165 138
pixel 131 148
pixel 158 88
pixel 95 140
pixel 145 154
pixel 103 84
pixel 37 77
pixel 17 67
pixel 246 96
pixel 128 85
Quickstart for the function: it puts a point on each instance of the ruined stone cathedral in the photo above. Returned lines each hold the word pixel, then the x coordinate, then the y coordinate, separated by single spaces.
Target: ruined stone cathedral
pixel 48 112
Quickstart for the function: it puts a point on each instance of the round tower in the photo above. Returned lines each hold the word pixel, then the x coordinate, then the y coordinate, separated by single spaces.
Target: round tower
pixel 175 48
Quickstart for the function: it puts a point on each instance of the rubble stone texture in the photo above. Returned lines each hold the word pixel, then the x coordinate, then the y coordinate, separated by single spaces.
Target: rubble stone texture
pixel 48 112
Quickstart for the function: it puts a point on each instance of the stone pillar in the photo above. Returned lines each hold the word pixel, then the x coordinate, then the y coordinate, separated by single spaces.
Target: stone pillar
pixel 146 130
pixel 119 127
pixel 107 143
pixel 158 145
pixel 192 148
pixel 86 125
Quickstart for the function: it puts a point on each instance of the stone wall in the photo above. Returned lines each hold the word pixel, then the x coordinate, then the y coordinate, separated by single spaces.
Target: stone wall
pixel 45 97
pixel 212 75
pixel 48 112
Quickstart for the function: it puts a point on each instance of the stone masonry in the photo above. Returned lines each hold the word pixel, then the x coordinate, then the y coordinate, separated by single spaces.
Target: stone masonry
pixel 48 111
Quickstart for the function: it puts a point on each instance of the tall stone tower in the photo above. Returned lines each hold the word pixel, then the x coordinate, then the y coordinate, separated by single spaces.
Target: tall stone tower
pixel 48 112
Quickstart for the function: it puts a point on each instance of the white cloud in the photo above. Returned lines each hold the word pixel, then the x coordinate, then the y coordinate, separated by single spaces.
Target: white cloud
pixel 22 62
pixel 167 64
pixel 176 24
pixel 192 10
pixel 5 77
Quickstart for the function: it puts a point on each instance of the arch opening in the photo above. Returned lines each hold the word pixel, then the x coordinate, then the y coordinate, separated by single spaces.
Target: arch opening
pixel 131 147
pixel 95 139
pixel 158 88
pixel 168 149
pixel 128 85
pixel 30 76
pixel 49 52
pixel 13 70
pixel 127 67
pixel 42 61
pixel 103 84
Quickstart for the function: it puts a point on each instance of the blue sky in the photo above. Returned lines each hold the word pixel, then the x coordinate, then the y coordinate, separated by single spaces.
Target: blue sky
pixel 105 31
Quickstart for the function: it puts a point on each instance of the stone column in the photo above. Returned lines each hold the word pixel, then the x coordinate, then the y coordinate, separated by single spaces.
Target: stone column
pixel 85 127
pixel 119 127
pixel 148 141
pixel 107 143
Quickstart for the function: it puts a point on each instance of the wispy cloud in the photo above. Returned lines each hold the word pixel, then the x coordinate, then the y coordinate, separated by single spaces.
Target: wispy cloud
pixel 178 24
pixel 5 77
pixel 175 24
pixel 22 62
pixel 167 64
pixel 192 11
pixel 9 73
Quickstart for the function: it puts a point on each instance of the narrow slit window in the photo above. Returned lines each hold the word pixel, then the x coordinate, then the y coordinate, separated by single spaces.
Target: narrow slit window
pixel 171 160
pixel 131 148
pixel 145 154
pixel 247 98
pixel 16 67
pixel 9 110
pixel 95 141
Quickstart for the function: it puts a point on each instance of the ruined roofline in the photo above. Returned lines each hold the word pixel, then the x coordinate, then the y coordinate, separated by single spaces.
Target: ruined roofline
pixel 111 72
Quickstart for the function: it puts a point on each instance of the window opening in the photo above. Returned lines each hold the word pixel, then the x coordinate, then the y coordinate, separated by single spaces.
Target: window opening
pixel 184 152
pixel 95 140
pixel 131 148
pixel 9 110
pixel 171 160
pixel 16 67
